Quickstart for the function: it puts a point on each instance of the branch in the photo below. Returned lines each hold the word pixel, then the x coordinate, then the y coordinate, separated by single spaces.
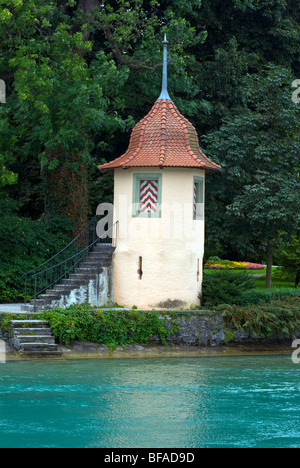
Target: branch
pixel 87 6
pixel 120 58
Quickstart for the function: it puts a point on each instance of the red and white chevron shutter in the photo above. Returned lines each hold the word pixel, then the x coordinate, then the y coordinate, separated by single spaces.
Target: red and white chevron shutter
pixel 148 196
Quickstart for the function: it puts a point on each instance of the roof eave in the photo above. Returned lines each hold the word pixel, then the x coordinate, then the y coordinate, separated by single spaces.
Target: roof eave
pixel 159 166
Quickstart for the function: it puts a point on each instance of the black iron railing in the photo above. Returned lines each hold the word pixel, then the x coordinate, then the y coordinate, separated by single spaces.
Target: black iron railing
pixel 64 263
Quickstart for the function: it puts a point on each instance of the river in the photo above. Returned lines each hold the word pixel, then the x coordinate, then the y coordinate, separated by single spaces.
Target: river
pixel 199 402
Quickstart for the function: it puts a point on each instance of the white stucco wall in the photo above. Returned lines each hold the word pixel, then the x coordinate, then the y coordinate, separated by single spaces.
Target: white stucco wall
pixel 171 247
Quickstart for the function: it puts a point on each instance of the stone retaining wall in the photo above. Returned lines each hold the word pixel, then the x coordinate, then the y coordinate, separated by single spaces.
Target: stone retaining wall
pixel 198 329
pixel 208 329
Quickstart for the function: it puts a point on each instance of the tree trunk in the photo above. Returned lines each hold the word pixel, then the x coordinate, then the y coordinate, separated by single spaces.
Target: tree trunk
pixel 87 6
pixel 269 265
pixel 66 193
pixel 297 281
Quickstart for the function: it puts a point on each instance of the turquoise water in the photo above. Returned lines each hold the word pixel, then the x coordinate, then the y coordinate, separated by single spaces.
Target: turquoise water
pixel 151 403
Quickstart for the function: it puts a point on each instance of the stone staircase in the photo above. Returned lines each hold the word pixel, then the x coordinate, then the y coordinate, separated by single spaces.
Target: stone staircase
pixel 75 288
pixel 33 337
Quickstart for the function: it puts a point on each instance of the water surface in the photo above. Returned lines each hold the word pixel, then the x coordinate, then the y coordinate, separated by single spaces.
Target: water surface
pixel 151 403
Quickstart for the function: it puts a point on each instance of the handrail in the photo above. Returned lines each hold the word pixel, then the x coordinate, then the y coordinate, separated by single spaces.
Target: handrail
pixel 62 269
pixel 65 274
pixel 70 258
pixel 64 249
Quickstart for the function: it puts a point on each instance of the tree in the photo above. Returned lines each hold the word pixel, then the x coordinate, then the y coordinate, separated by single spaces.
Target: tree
pixel 289 258
pixel 66 64
pixel 57 102
pixel 258 192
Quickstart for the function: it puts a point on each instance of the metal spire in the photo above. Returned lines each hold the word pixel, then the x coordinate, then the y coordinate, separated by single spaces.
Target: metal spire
pixel 164 91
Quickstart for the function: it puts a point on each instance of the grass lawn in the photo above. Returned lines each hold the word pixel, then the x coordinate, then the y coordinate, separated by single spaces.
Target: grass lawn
pixel 278 280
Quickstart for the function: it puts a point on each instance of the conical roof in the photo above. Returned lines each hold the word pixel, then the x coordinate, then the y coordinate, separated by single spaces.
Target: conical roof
pixel 164 138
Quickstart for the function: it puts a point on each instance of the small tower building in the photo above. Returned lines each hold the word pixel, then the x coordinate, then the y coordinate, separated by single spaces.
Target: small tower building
pixel 159 196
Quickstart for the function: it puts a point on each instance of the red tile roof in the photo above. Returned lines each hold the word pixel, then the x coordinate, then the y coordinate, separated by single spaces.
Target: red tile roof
pixel 164 138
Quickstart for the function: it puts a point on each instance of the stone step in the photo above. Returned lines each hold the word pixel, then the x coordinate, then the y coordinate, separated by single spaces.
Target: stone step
pixel 53 293
pixel 86 275
pixel 45 300
pixel 20 342
pixel 86 269
pixel 39 302
pixel 74 283
pixel 29 347
pixel 42 354
pixel 32 332
pixel 91 265
pixel 51 296
pixel 46 339
pixel 81 276
pixel 104 247
pixel 29 323
pixel 100 250
pixel 57 287
pixel 99 254
pixel 43 308
pixel 32 336
pixel 26 308
pixel 58 291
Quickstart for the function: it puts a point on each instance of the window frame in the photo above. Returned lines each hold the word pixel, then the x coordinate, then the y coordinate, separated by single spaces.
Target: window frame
pixel 201 197
pixel 137 178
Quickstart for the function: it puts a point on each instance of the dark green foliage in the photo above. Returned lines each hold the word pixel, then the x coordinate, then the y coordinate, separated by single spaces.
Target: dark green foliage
pixel 112 328
pixel 257 195
pixel 277 319
pixel 25 244
pixel 238 288
pixel 289 259
pixel 225 287
pixel 266 296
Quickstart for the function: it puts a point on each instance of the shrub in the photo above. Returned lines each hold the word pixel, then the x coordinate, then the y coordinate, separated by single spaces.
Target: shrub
pixel 289 259
pixel 277 319
pixel 112 328
pixel 265 296
pixel 225 286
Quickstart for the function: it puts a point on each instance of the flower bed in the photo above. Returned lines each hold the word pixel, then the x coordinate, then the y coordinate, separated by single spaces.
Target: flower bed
pixel 216 263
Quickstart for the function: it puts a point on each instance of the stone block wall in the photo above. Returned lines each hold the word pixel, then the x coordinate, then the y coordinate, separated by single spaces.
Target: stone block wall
pixel 208 329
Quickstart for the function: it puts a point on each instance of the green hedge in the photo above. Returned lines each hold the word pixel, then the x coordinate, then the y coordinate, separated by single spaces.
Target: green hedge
pixel 238 287
pixel 265 296
pixel 112 328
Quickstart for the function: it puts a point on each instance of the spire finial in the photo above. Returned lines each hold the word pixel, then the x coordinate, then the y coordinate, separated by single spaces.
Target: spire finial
pixel 164 91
